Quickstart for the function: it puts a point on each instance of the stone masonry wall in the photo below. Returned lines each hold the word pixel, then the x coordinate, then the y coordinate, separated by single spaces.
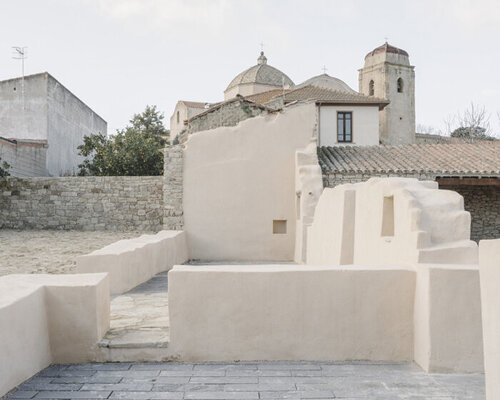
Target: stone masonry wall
pixel 172 188
pixel 229 114
pixel 82 203
pixel 483 202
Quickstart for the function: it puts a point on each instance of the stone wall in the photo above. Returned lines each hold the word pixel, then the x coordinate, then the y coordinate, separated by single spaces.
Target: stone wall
pixel 82 203
pixel 483 202
pixel 226 114
pixel 173 187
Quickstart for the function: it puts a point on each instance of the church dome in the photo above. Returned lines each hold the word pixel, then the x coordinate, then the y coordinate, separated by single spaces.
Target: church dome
pixel 329 82
pixel 387 48
pixel 387 53
pixel 261 74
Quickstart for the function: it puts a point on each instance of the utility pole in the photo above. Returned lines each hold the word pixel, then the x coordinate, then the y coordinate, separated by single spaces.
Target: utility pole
pixel 20 53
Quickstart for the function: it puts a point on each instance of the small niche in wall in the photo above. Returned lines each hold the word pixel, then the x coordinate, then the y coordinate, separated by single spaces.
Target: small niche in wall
pixel 388 216
pixel 279 226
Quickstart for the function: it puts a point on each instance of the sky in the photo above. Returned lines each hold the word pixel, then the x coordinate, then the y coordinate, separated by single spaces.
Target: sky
pixel 120 55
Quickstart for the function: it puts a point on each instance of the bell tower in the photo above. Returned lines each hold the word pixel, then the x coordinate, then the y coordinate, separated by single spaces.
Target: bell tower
pixel 387 74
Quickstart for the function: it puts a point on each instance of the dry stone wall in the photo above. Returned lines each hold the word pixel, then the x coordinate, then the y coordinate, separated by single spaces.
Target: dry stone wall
pixel 228 114
pixel 172 187
pixel 82 203
pixel 483 202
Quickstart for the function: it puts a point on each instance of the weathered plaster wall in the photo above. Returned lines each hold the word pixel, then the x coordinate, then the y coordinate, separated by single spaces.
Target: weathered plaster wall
pixel 30 121
pixel 68 121
pixel 364 125
pixel 483 202
pixel 25 159
pixel 82 203
pixel 50 112
pixel 238 180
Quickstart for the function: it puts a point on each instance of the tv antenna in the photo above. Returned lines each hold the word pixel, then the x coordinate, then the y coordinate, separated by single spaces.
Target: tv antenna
pixel 20 53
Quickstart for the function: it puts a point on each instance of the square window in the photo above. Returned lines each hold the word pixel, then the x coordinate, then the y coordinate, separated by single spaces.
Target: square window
pixel 279 226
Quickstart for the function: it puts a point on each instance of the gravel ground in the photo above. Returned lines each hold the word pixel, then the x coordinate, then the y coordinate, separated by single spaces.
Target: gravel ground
pixel 50 252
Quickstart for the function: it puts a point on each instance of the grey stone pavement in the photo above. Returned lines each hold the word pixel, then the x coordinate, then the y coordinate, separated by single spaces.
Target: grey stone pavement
pixel 139 317
pixel 255 380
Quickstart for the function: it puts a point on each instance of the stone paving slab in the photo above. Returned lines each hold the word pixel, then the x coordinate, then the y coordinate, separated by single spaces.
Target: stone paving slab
pixel 258 380
pixel 139 317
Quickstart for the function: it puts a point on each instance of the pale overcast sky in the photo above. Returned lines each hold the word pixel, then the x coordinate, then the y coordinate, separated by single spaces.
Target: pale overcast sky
pixel 120 55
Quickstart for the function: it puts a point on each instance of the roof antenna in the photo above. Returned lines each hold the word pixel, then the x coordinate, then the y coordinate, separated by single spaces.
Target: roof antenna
pixel 20 53
pixel 386 39
pixel 324 70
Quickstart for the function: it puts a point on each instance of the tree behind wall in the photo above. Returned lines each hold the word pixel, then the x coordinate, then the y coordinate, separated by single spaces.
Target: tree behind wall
pixel 136 150
pixel 4 168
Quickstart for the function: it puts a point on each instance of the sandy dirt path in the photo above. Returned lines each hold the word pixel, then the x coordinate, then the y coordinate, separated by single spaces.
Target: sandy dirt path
pixel 50 251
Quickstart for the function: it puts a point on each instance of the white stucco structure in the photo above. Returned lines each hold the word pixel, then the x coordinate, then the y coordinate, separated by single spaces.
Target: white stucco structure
pixel 489 264
pixel 239 187
pixel 131 262
pixel 49 319
pixel 50 113
pixel 395 221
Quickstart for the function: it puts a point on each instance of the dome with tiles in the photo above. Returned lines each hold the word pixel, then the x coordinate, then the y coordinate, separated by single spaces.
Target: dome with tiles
pixel 261 74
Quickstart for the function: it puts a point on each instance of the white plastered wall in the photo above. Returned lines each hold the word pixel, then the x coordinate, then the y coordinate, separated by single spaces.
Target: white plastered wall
pixel 365 125
pixel 425 224
pixel 238 180
pixel 49 319
pixel 489 264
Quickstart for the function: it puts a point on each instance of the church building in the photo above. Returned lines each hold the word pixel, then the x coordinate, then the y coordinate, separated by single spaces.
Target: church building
pixel 382 112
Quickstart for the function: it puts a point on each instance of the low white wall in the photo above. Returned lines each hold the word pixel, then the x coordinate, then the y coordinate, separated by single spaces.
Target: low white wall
pixel 489 264
pixel 448 333
pixel 291 312
pixel 134 261
pixel 48 319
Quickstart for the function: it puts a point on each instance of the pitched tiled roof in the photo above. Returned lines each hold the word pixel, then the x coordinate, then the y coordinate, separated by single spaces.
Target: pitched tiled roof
pixel 265 97
pixel 325 95
pixel 472 159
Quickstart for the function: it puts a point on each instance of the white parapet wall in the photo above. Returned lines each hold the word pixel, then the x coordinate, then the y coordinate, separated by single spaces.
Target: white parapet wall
pixel 489 264
pixel 291 312
pixel 134 261
pixel 47 319
pixel 448 332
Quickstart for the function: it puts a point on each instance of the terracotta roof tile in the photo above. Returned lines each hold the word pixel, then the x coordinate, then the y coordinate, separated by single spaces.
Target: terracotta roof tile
pixel 482 158
pixel 326 95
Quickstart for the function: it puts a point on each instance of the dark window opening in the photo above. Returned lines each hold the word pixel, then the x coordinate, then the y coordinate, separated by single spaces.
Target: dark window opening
pixel 400 85
pixel 344 126
pixel 371 88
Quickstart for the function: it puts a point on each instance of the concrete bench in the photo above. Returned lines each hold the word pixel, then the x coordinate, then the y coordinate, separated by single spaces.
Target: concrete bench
pixel 134 261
